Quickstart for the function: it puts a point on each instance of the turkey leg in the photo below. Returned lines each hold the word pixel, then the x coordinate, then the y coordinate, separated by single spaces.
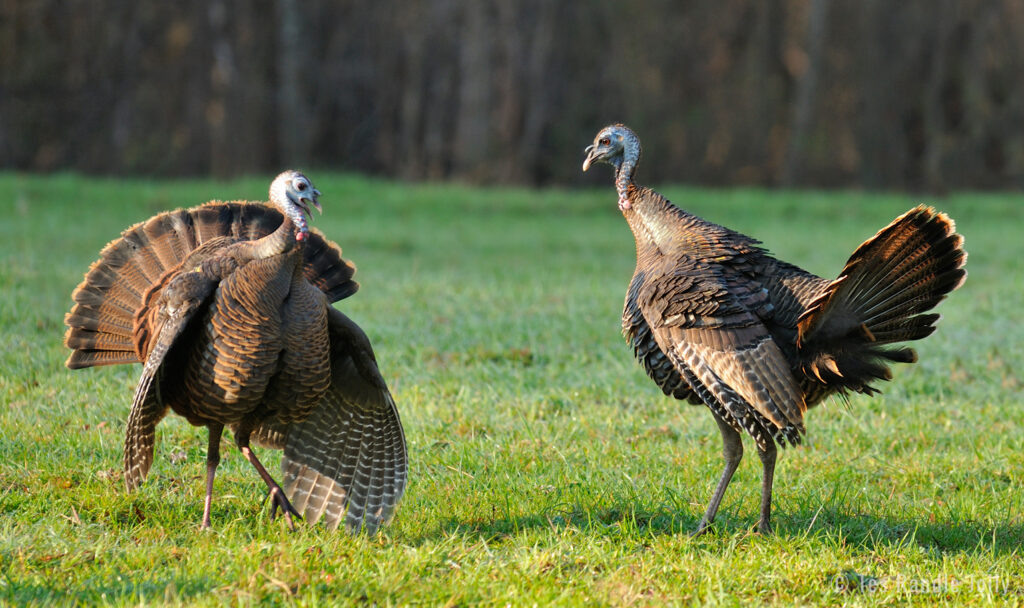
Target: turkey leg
pixel 732 452
pixel 277 497
pixel 768 462
pixel 212 461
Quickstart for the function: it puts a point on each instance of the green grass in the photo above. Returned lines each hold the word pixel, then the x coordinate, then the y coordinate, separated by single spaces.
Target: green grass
pixel 545 467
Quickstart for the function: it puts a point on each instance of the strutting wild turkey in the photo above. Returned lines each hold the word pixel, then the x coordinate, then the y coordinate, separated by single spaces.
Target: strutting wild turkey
pixel 714 319
pixel 228 307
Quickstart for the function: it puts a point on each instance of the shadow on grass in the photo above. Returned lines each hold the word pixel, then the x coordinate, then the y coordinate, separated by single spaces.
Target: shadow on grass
pixel 829 524
pixel 94 591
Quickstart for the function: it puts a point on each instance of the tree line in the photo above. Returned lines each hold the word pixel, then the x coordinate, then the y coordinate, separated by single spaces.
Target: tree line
pixel 917 94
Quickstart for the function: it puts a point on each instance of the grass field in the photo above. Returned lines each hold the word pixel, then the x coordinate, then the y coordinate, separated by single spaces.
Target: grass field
pixel 545 467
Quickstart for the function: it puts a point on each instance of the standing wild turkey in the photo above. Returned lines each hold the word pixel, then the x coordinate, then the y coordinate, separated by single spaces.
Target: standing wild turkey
pixel 228 306
pixel 714 319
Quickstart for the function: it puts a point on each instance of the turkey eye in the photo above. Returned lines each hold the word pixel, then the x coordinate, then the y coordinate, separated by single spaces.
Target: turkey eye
pixel 605 141
pixel 300 186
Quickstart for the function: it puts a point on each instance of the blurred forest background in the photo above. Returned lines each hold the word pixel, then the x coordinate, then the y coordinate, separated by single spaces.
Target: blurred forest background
pixel 916 94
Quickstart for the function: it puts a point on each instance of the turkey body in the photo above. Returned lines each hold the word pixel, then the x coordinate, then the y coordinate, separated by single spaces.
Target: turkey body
pixel 714 319
pixel 228 305
pixel 260 349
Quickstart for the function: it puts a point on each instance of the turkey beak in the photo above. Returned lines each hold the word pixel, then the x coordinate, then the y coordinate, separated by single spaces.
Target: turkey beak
pixel 306 201
pixel 590 157
pixel 316 202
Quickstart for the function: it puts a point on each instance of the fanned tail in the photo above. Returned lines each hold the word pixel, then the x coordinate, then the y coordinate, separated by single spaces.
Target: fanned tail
pixel 102 322
pixel 881 298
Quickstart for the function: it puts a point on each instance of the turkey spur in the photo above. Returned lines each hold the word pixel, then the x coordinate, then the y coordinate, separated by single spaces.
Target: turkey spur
pixel 714 319
pixel 228 307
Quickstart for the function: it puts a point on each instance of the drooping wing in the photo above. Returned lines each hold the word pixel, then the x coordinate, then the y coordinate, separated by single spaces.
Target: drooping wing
pixel 646 350
pixel 705 319
pixel 347 460
pixel 182 298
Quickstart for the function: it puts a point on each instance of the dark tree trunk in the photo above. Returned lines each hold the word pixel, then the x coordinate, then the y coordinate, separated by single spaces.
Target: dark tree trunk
pixel 934 136
pixel 223 159
pixel 806 93
pixel 537 89
pixel 292 115
pixel 472 126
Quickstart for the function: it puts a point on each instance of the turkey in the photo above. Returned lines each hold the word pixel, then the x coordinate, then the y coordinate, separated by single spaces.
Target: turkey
pixel 228 306
pixel 715 320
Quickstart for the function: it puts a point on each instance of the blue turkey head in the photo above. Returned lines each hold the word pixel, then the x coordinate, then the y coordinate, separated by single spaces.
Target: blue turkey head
pixel 611 146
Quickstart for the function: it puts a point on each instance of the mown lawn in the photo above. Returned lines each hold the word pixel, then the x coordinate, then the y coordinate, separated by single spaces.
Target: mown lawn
pixel 545 467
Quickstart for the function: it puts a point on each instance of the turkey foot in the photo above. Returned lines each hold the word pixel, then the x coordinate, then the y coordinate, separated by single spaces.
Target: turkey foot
pixel 279 500
pixel 277 497
pixel 704 527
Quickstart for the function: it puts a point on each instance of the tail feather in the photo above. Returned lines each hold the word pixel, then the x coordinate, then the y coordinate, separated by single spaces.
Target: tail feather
pixel 143 256
pixel 113 298
pixel 92 297
pixel 96 322
pixel 327 270
pixel 166 239
pixel 99 341
pixel 92 358
pixel 125 277
pixel 927 280
pixel 910 240
pixel 881 297
pixel 905 333
pixel 117 286
pixel 899 355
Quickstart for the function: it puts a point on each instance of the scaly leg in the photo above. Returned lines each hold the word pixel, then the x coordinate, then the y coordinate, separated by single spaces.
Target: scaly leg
pixel 767 478
pixel 732 452
pixel 212 461
pixel 277 497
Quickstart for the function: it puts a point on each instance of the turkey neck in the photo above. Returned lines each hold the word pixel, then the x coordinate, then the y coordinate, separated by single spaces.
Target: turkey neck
pixel 649 214
pixel 654 221
pixel 663 230
pixel 284 238
pixel 277 242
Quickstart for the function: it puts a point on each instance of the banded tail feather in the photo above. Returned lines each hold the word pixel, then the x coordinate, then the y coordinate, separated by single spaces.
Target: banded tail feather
pixel 102 323
pixel 881 297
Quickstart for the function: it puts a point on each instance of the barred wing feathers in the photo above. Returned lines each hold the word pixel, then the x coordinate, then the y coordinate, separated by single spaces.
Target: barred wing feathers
pixel 347 461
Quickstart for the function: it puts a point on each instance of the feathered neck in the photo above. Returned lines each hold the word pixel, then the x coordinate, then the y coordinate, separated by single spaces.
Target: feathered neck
pixel 644 209
pixel 652 219
pixel 661 228
pixel 277 242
